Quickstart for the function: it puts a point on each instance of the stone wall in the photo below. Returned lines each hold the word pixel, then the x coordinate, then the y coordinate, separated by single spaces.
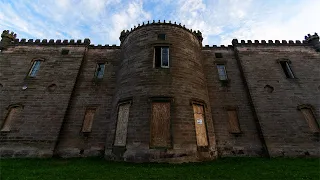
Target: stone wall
pixel 54 102
pixel 277 97
pixel 230 95
pixel 43 98
pixel 90 92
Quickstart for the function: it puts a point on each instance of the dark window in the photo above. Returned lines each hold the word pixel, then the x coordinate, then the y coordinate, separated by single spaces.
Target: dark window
pixel 100 70
pixel 287 69
pixel 222 72
pixel 65 51
pixel 35 68
pixel 161 57
pixel 162 36
pixel 218 55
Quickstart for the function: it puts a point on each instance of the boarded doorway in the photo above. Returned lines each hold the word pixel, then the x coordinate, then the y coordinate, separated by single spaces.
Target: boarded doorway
pixel 122 124
pixel 160 125
pixel 200 125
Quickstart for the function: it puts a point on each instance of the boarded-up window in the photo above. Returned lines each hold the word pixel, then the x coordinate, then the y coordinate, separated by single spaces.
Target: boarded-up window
pixel 160 125
pixel 233 121
pixel 122 124
pixel 88 120
pixel 200 125
pixel 311 120
pixel 11 116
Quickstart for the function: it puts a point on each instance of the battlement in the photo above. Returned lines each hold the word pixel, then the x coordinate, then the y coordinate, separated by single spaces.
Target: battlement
pixel 106 46
pixel 222 47
pixel 7 34
pixel 310 38
pixel 124 33
pixel 269 42
pixel 51 42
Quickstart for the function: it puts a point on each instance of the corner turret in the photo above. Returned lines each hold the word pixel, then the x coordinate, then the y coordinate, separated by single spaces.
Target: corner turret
pixel 7 38
pixel 314 41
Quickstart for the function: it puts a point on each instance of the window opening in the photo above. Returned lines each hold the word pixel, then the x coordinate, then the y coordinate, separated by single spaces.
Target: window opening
pixel 222 72
pixel 35 68
pixel 161 57
pixel 100 70
pixel 287 69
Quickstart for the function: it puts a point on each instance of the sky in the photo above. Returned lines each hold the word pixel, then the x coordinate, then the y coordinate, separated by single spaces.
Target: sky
pixel 220 21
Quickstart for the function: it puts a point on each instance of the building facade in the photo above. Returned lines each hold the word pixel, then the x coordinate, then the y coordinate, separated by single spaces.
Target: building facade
pixel 159 96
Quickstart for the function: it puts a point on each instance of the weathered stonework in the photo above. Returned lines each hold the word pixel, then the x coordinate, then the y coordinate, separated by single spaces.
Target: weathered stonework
pixel 53 103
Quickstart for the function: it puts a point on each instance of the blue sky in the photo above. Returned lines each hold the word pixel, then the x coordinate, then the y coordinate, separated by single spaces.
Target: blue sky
pixel 220 21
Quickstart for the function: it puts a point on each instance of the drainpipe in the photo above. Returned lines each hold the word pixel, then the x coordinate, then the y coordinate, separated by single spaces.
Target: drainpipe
pixel 255 116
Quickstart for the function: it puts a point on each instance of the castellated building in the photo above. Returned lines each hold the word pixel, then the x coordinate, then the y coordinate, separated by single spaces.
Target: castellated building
pixel 160 96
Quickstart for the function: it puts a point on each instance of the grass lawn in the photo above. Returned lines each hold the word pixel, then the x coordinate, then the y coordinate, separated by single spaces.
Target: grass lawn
pixel 225 168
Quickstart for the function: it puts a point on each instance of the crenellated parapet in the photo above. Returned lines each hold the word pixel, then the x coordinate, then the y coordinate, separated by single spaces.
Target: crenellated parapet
pixel 7 34
pixel 6 39
pixel 125 34
pixel 221 47
pixel 268 43
pixel 51 42
pixel 9 39
pixel 107 46
pixel 313 40
pixel 310 40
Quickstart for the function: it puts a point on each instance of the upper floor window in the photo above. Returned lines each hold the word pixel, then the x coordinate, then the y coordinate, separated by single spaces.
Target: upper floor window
pixel 35 68
pixel 100 70
pixel 162 36
pixel 161 57
pixel 218 55
pixel 287 69
pixel 222 72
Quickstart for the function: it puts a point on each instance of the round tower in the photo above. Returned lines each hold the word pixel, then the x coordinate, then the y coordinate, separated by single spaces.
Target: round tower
pixel 161 108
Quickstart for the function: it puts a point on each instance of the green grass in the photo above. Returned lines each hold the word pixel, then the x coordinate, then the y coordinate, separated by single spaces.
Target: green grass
pixel 225 168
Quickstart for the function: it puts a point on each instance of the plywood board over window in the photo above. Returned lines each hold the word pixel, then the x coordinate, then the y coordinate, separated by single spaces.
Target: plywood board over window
pixel 311 120
pixel 13 113
pixel 200 125
pixel 122 124
pixel 88 120
pixel 160 125
pixel 234 125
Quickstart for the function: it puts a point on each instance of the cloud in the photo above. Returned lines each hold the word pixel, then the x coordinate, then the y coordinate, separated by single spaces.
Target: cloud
pixel 287 22
pixel 102 20
pixel 133 15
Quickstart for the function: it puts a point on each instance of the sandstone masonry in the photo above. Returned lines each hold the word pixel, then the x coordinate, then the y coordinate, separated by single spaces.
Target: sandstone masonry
pixel 159 96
